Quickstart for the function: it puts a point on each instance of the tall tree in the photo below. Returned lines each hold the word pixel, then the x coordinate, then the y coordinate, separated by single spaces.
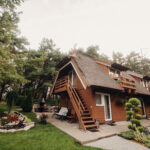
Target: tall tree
pixel 10 45
pixel 40 67
pixel 93 51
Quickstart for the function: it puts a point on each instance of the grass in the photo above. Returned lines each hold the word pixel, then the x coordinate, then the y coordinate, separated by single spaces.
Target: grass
pixel 127 135
pixel 41 137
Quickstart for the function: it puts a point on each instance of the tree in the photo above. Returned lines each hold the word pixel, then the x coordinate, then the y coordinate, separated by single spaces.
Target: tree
pixel 27 103
pixel 93 51
pixel 40 67
pixel 10 98
pixel 10 45
pixel 118 58
pixel 132 110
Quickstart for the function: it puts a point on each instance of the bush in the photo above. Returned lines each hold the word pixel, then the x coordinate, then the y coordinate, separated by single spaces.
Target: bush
pixel 10 99
pixel 148 143
pixel 128 117
pixel 136 109
pixel 19 100
pixel 27 103
pixel 127 135
pixel 132 116
pixel 140 128
pixel 140 136
pixel 131 127
pixel 43 118
pixel 130 113
pixel 138 117
pixel 136 122
pixel 134 101
pixel 128 105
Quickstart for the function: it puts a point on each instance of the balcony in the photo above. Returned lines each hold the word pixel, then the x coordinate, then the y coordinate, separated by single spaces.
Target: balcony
pixel 61 84
pixel 126 83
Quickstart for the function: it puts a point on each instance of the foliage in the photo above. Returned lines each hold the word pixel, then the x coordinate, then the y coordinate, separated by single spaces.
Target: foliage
pixel 10 98
pixel 27 120
pixel 4 121
pixel 132 116
pixel 11 46
pixel 127 135
pixel 140 136
pixel 20 100
pixel 134 61
pixel 27 103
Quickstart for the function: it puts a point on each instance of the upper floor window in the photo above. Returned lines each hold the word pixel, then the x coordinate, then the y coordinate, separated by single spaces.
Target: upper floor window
pixel 114 73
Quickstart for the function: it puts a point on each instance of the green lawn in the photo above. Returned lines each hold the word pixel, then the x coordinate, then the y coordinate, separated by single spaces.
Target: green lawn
pixel 41 137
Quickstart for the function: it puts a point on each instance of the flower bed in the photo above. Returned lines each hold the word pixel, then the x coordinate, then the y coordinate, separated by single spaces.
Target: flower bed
pixel 15 122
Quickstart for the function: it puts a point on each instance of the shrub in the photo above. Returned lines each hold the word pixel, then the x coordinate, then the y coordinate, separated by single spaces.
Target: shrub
pixel 132 116
pixel 27 103
pixel 140 136
pixel 130 113
pixel 136 122
pixel 136 109
pixel 128 117
pixel 128 105
pixel 28 120
pixel 140 128
pixel 127 135
pixel 131 127
pixel 19 100
pixel 10 98
pixel 43 118
pixel 138 116
pixel 134 102
pixel 148 143
pixel 4 121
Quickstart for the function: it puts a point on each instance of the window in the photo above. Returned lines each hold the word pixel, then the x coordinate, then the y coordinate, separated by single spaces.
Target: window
pixel 98 99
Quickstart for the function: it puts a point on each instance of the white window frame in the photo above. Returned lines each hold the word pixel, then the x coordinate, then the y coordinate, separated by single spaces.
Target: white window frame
pixel 102 101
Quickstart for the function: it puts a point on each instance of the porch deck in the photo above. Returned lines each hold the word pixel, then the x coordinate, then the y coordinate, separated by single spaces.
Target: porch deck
pixel 85 137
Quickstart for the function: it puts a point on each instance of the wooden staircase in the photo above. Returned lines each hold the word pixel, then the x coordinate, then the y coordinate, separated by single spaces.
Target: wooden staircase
pixel 86 122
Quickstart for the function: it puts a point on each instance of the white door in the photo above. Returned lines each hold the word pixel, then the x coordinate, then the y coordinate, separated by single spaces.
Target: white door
pixel 143 108
pixel 107 108
pixel 103 99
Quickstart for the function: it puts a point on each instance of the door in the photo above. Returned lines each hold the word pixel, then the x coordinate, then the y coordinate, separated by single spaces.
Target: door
pixel 107 108
pixel 103 99
pixel 143 108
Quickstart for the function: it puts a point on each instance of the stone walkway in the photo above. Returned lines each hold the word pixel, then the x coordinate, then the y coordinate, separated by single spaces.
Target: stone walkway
pixel 116 143
pixel 85 137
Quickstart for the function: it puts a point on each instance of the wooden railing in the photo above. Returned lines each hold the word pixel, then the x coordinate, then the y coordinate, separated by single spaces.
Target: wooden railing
pixel 126 82
pixel 76 102
pixel 62 82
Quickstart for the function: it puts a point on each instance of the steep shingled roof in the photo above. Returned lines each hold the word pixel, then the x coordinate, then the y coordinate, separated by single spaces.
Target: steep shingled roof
pixel 93 74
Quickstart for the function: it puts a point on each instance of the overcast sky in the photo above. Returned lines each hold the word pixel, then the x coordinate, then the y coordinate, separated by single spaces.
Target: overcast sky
pixel 114 25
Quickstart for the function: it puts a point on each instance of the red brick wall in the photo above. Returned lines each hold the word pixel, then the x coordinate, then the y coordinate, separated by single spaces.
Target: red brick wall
pixel 118 110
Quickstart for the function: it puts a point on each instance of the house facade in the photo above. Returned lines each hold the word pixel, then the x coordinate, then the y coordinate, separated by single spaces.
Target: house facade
pixel 96 91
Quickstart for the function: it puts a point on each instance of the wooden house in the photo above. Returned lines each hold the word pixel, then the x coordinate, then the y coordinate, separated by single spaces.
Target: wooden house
pixel 96 91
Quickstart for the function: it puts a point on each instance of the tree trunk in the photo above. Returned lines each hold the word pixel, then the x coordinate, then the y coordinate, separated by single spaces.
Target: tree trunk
pixel 2 91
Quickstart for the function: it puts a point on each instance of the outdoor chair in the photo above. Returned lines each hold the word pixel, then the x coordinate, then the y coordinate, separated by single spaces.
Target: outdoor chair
pixel 62 114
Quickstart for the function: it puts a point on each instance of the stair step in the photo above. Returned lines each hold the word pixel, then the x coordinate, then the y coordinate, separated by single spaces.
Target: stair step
pixel 86 111
pixel 86 114
pixel 91 126
pixel 86 118
pixel 88 121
